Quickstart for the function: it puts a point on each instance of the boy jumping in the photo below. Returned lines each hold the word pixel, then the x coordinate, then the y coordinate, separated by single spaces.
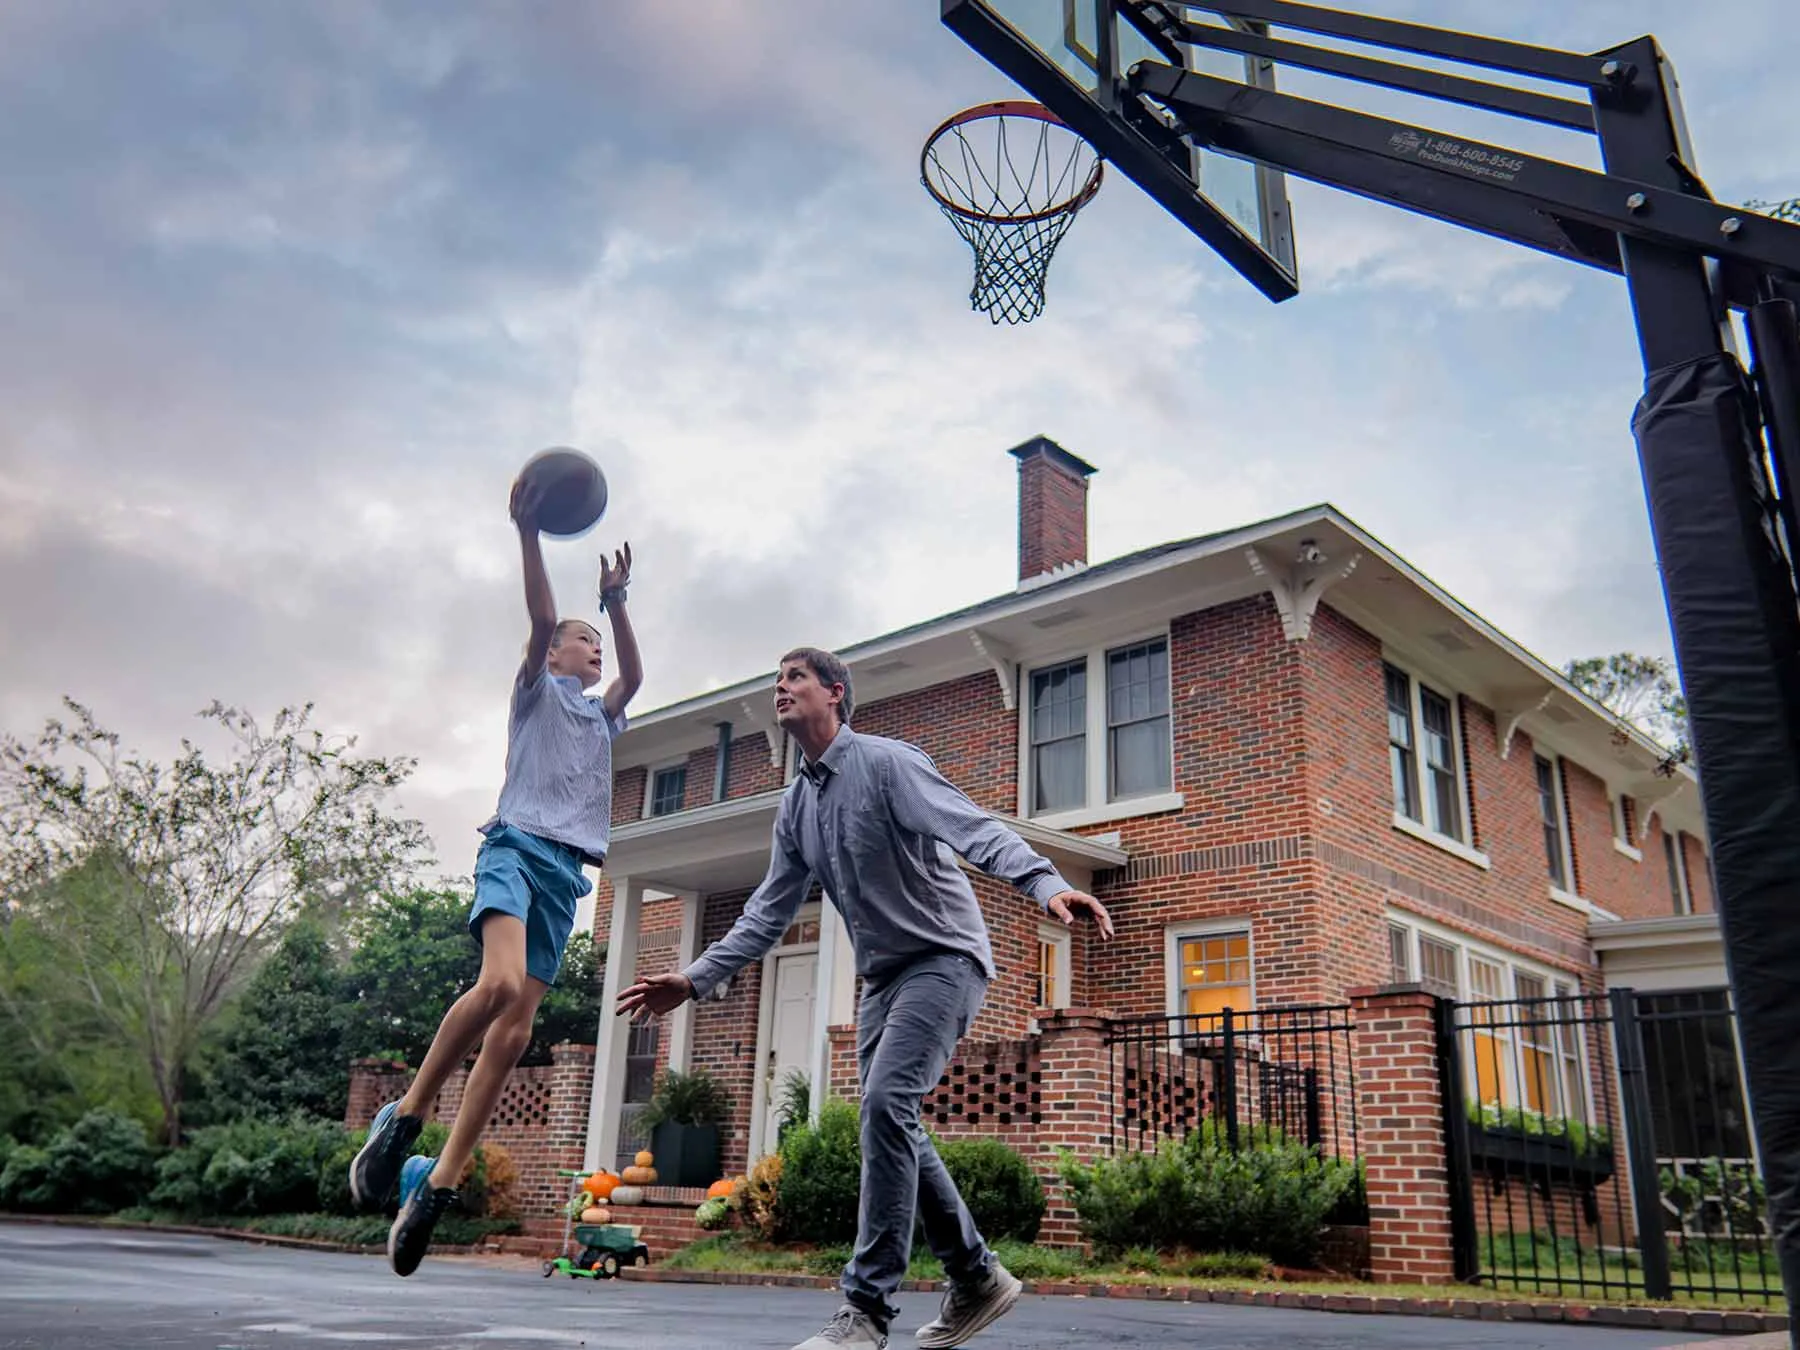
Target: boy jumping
pixel 554 815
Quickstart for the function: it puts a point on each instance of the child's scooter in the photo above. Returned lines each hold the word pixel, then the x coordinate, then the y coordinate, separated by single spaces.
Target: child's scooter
pixel 605 1247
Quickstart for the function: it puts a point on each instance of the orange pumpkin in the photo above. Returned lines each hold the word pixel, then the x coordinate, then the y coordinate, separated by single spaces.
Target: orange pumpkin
pixel 641 1175
pixel 721 1189
pixel 596 1214
pixel 645 1158
pixel 600 1185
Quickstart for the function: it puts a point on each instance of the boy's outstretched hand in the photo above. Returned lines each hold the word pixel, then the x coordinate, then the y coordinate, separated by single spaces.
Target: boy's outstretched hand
pixel 655 995
pixel 527 500
pixel 615 575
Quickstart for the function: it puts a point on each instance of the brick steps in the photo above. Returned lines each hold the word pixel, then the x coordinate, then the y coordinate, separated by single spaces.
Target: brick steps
pixel 665 1224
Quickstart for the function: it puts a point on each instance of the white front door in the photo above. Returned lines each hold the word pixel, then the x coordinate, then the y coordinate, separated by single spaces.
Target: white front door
pixel 790 1033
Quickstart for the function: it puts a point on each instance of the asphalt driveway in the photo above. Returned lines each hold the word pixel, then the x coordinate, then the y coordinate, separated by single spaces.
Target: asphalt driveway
pixel 64 1288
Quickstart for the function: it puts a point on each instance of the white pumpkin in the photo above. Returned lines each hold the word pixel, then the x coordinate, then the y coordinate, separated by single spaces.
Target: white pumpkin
pixel 627 1195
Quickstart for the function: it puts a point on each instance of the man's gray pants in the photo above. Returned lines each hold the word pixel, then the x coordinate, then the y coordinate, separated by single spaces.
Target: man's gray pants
pixel 907 1028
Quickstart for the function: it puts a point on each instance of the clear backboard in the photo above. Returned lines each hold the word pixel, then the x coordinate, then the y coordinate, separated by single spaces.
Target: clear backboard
pixel 1073 55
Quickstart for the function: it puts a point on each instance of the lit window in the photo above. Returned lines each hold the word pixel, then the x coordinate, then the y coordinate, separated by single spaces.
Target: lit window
pixel 1215 973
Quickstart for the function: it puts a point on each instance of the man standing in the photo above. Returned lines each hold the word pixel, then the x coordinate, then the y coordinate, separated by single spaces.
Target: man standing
pixel 874 822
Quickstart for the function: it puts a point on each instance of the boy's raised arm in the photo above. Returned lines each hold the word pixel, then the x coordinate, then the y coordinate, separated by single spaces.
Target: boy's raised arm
pixel 614 578
pixel 540 602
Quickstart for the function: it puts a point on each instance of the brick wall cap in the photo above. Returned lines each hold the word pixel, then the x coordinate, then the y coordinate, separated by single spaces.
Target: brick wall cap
pixel 1405 995
pixel 571 1050
pixel 376 1065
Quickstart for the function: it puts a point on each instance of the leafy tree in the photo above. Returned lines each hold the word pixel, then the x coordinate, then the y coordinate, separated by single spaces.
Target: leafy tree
pixel 283 1051
pixel 162 886
pixel 411 958
pixel 571 1010
pixel 1640 689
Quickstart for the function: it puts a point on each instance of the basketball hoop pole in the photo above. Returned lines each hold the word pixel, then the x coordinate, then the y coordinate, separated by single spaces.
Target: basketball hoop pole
pixel 1717 515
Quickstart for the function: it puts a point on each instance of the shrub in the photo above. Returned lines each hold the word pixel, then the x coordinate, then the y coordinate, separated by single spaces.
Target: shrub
pixel 821 1178
pixel 1002 1192
pixel 756 1196
pixel 26 1183
pixel 94 1166
pixel 1200 1195
pixel 252 1166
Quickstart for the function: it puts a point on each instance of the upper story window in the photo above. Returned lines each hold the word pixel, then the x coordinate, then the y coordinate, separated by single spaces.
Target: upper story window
pixel 1675 856
pixel 1425 756
pixel 1555 823
pixel 668 789
pixel 1087 752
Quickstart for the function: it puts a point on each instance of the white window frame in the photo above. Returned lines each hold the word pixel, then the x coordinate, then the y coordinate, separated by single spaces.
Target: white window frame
pixel 1673 846
pixel 1096 809
pixel 1559 983
pixel 1565 833
pixel 1054 935
pixel 1615 802
pixel 1175 934
pixel 1416 682
pixel 650 773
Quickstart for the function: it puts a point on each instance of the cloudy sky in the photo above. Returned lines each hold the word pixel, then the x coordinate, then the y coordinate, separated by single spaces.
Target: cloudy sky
pixel 288 292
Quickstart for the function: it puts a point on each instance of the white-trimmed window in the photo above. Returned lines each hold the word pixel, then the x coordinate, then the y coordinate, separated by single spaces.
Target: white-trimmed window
pixel 1425 756
pixel 1097 733
pixel 1210 969
pixel 668 789
pixel 1526 1055
pixel 1053 966
pixel 1624 811
pixel 1675 859
pixel 1555 821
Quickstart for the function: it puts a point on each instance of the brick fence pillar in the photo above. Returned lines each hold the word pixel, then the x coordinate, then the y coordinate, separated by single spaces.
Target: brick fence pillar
pixel 373 1084
pixel 1073 1109
pixel 1400 1128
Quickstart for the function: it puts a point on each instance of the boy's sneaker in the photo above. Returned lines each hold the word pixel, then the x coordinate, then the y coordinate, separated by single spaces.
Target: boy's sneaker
pixel 851 1329
pixel 969 1308
pixel 421 1204
pixel 377 1164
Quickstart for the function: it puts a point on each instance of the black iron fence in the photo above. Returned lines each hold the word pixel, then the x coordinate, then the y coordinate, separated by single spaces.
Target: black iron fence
pixel 1258 1076
pixel 1599 1146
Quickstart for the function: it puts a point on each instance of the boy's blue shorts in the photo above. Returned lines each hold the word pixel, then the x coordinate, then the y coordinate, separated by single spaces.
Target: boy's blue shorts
pixel 535 880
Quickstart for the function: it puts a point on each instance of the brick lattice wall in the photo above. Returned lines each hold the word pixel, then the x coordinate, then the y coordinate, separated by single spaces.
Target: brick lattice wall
pixel 540 1120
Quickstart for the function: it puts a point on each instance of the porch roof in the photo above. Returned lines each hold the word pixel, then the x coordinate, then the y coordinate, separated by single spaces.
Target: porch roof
pixel 724 846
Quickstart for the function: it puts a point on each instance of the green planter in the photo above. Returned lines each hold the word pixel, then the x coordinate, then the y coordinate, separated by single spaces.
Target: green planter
pixel 686 1155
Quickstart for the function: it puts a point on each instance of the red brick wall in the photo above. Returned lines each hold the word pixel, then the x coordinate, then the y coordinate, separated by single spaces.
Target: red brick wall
pixel 724 1035
pixel 628 794
pixel 1368 861
pixel 965 728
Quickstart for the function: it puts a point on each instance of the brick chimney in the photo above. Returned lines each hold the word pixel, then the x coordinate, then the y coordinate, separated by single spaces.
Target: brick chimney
pixel 1053 526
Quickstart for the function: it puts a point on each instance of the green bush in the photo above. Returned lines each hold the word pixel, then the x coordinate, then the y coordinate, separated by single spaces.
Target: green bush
pixel 253 1166
pixel 1002 1192
pixel 821 1178
pixel 1200 1195
pixel 100 1162
pixel 25 1183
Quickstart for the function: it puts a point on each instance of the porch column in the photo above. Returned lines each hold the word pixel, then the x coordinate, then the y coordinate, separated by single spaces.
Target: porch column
pixel 681 1021
pixel 615 1032
pixel 831 999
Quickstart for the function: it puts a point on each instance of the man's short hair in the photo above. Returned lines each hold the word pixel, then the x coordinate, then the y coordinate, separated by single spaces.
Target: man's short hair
pixel 829 670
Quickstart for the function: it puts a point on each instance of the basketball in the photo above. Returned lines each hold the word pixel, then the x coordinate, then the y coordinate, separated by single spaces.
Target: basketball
pixel 573 487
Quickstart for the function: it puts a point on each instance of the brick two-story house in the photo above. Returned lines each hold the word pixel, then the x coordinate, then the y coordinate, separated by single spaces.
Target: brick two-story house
pixel 1289 763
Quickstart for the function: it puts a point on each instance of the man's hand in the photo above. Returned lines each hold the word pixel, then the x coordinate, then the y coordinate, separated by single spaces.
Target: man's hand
pixel 527 501
pixel 1064 906
pixel 655 995
pixel 616 575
